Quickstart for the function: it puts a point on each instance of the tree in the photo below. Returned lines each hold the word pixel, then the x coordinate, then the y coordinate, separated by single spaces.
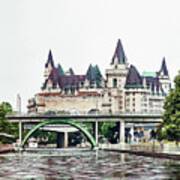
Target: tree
pixel 5 125
pixel 169 129
pixel 110 131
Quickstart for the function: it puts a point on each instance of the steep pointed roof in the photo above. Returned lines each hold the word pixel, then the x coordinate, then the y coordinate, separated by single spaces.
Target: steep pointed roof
pixel 53 77
pixel 163 68
pixel 60 69
pixel 71 81
pixel 90 75
pixel 119 54
pixel 71 71
pixel 50 59
pixel 133 78
pixel 98 76
pixel 98 72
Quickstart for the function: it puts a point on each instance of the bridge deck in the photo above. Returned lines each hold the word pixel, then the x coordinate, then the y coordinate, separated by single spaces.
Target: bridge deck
pixel 128 118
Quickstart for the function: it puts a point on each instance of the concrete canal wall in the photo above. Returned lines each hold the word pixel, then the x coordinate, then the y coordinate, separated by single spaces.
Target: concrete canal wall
pixel 140 150
pixel 5 148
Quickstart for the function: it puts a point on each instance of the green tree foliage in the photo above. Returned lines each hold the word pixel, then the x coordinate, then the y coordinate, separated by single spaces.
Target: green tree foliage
pixel 170 127
pixel 108 130
pixel 46 137
pixel 5 125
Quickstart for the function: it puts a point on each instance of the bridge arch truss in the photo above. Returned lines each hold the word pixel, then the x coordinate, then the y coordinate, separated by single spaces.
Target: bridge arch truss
pixel 61 121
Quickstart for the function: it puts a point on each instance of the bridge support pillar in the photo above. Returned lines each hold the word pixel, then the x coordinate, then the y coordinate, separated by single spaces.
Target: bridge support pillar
pixel 65 139
pixel 95 131
pixel 20 131
pixel 62 139
pixel 122 132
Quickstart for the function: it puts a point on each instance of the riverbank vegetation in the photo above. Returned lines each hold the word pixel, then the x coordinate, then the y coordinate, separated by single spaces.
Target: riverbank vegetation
pixel 169 129
pixel 5 126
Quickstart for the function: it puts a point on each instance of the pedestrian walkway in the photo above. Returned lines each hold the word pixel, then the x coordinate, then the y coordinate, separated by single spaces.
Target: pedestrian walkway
pixel 171 152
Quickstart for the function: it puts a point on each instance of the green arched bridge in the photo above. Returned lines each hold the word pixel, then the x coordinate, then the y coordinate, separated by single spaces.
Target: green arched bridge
pixel 73 120
pixel 61 121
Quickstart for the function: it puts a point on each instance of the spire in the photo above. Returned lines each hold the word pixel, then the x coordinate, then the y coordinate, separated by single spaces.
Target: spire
pixel 163 68
pixel 50 59
pixel 119 54
pixel 133 78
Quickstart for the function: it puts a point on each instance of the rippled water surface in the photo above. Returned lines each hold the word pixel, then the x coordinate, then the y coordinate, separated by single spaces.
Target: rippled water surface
pixel 85 165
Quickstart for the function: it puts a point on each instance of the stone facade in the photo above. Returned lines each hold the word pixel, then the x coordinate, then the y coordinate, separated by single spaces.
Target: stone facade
pixel 123 90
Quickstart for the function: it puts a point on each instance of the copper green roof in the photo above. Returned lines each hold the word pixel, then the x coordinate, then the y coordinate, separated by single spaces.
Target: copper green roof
pixel 149 74
pixel 61 71
pixel 94 75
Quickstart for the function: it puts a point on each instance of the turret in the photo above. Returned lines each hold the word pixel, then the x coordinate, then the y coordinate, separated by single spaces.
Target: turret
pixel 119 56
pixel 163 72
pixel 163 76
pixel 49 65
pixel 116 74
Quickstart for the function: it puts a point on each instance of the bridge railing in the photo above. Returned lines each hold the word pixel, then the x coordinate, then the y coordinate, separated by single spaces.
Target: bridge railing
pixel 87 113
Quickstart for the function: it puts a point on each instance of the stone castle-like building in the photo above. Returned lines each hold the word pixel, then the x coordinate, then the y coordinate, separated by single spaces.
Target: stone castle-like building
pixel 123 90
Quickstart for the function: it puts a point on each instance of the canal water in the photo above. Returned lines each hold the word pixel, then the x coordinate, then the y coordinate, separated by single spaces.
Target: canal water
pixel 85 165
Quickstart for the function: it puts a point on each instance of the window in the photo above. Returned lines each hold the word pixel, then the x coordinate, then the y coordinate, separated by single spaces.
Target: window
pixel 92 85
pixel 114 83
pixel 82 84
pixel 127 100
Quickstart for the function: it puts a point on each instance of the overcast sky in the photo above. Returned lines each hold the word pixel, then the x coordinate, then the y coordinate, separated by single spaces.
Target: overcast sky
pixel 80 32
